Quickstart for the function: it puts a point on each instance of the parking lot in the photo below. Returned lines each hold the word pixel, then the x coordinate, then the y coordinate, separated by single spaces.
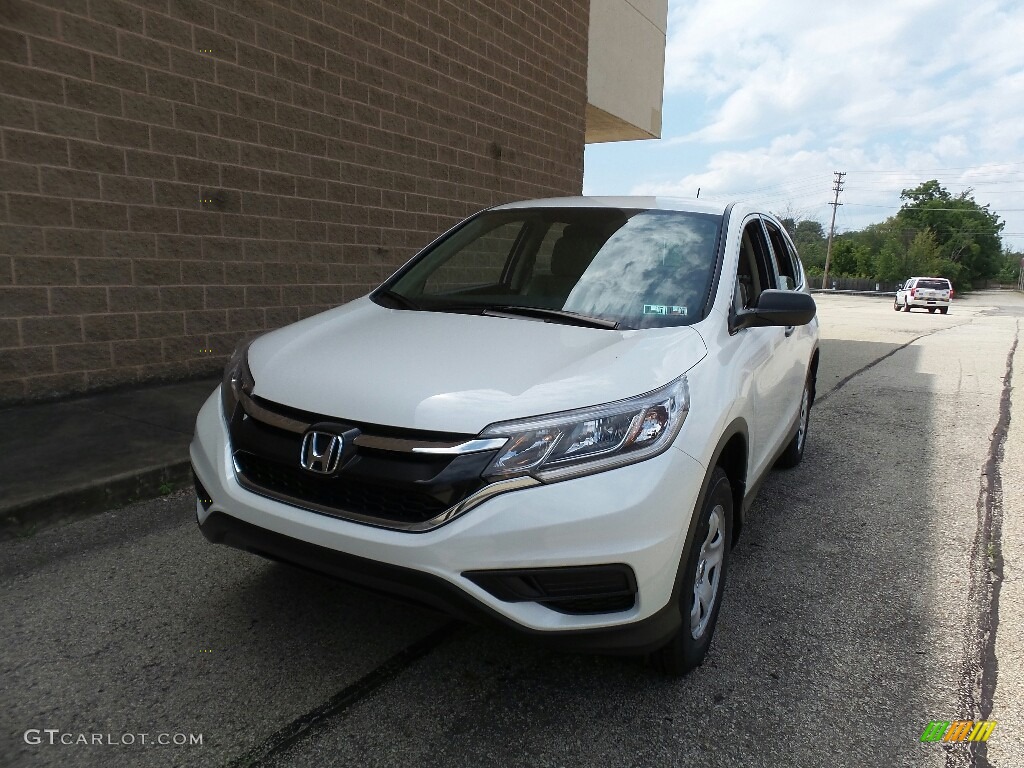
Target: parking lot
pixel 877 587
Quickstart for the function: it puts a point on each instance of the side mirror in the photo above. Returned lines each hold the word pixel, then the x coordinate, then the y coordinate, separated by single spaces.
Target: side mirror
pixel 777 308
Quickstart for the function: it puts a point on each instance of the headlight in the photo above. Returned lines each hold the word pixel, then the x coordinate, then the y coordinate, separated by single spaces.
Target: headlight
pixel 236 378
pixel 587 440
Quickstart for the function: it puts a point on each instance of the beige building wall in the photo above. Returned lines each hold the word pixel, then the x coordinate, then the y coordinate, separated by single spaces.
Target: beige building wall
pixel 177 176
pixel 626 69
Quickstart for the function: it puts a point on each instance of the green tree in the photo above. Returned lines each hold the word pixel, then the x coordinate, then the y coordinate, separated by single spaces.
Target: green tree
pixel 966 234
pixel 844 257
pixel 875 236
pixel 923 254
pixel 934 233
pixel 890 265
pixel 1009 270
pixel 809 237
pixel 865 257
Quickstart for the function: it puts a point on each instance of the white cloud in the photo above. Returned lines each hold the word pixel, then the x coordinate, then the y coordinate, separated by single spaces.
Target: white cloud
pixel 841 63
pixel 895 93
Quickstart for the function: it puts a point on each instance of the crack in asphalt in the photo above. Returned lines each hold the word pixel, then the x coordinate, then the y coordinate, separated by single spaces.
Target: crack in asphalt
pixel 980 667
pixel 305 725
pixel 847 379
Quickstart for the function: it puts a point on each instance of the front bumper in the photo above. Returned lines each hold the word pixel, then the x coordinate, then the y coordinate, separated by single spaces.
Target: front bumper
pixel 636 516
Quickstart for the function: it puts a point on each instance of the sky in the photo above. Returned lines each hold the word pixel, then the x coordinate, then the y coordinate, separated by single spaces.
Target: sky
pixel 764 101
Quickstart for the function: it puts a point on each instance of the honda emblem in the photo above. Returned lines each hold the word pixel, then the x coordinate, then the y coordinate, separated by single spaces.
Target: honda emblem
pixel 321 452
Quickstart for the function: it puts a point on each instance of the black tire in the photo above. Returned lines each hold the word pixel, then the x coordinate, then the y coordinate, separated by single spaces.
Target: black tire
pixel 895 305
pixel 943 310
pixel 906 306
pixel 684 652
pixel 794 452
pixel 931 310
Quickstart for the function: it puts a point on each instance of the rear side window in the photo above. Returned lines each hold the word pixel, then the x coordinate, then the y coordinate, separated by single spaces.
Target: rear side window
pixel 935 285
pixel 789 274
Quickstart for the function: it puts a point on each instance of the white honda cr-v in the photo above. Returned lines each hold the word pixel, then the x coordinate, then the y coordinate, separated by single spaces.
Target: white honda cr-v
pixel 553 418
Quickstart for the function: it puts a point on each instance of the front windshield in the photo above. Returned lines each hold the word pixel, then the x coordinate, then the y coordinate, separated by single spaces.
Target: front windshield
pixel 637 268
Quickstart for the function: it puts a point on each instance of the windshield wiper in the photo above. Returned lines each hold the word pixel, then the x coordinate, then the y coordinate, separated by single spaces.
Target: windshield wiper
pixel 569 318
pixel 397 298
pixel 502 310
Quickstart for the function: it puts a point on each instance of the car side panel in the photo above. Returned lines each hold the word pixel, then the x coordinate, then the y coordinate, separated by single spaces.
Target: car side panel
pixel 741 396
pixel 716 401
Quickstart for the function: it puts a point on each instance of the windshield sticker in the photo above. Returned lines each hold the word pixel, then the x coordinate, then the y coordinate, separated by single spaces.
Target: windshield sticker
pixel 662 309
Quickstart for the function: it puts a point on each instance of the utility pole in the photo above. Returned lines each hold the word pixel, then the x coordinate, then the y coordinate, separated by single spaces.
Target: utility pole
pixel 837 187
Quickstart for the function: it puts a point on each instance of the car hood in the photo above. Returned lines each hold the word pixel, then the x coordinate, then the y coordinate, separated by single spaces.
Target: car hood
pixel 458 373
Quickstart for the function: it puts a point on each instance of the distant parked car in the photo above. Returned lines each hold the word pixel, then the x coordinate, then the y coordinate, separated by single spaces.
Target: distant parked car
pixel 929 293
pixel 554 418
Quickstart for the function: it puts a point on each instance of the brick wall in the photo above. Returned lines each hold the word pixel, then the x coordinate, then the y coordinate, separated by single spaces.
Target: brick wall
pixel 177 174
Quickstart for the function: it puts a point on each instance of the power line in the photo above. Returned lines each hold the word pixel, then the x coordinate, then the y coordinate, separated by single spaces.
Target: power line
pixel 847 230
pixel 967 183
pixel 906 171
pixel 929 208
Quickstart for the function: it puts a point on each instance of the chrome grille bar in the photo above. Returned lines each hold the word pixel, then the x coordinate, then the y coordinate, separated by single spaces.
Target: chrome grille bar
pixel 375 442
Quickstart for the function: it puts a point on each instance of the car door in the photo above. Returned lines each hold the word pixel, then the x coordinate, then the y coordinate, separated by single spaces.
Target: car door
pixel 764 374
pixel 794 351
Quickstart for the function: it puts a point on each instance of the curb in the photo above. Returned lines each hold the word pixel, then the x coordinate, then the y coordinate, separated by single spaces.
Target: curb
pixel 28 517
pixel 852 293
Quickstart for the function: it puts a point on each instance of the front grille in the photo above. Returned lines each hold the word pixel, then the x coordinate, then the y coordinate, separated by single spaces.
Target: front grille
pixel 372 485
pixel 343 495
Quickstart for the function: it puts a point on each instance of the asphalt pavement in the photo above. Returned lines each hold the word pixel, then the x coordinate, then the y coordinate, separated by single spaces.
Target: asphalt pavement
pixel 877 587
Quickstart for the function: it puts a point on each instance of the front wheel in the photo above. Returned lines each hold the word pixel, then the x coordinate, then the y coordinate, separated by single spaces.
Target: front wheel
pixel 702 582
pixel 906 306
pixel 896 305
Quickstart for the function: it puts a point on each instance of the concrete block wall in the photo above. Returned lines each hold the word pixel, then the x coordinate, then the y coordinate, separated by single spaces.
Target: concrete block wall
pixel 178 174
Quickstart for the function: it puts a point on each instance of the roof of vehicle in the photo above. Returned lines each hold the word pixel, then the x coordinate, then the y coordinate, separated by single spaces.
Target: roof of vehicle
pixel 656 203
pixel 930 278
